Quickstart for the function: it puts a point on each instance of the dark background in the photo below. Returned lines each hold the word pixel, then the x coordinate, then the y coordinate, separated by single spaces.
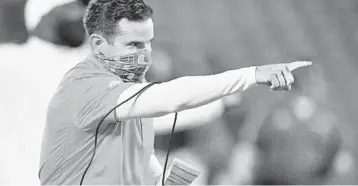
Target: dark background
pixel 211 36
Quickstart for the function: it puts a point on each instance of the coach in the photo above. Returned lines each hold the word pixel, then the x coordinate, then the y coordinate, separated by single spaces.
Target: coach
pixel 120 34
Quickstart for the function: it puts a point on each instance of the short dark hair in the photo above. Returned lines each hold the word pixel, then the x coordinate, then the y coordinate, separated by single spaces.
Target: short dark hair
pixel 102 15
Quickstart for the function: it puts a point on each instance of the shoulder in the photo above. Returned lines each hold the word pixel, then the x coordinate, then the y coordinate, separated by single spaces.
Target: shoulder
pixel 81 71
pixel 87 77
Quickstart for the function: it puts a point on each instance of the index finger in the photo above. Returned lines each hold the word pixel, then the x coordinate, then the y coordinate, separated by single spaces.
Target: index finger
pixel 298 64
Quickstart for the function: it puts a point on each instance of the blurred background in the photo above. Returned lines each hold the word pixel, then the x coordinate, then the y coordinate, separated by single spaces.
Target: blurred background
pixel 305 136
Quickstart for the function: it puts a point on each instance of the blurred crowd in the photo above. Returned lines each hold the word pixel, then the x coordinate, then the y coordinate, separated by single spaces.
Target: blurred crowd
pixel 305 136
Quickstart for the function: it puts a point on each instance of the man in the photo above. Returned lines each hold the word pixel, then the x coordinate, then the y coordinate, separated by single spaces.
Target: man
pixel 120 34
pixel 29 79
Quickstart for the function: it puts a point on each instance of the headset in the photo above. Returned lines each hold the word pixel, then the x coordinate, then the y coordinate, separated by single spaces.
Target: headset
pixel 118 105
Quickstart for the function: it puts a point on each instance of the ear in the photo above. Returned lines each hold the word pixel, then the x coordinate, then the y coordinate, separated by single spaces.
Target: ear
pixel 98 43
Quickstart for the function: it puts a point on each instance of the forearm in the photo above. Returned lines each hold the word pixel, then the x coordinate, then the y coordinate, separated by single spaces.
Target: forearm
pixel 184 93
pixel 190 118
pixel 155 168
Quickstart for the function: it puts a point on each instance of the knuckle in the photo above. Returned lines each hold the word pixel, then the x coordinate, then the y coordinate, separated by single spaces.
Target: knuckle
pixel 281 77
pixel 292 79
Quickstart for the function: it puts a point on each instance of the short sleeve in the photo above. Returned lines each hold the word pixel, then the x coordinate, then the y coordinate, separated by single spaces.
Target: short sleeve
pixel 92 97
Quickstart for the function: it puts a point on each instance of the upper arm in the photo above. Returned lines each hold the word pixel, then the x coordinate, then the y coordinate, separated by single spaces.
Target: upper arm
pixel 147 104
pixel 91 98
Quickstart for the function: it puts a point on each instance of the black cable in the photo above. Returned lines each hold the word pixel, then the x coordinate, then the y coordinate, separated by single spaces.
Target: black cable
pixel 96 134
pixel 170 144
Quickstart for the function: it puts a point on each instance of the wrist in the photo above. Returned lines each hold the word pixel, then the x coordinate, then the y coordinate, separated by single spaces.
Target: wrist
pixel 249 74
pixel 260 76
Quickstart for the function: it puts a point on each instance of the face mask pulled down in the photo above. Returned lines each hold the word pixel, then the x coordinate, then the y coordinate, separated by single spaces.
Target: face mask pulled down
pixel 130 68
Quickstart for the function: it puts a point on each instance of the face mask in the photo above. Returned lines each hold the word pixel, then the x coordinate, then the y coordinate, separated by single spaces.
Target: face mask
pixel 130 68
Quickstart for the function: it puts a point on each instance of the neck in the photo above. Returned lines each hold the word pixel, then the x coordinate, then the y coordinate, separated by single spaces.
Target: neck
pixel 92 57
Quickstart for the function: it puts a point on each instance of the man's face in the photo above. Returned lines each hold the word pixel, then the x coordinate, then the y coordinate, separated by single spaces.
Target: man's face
pixel 132 37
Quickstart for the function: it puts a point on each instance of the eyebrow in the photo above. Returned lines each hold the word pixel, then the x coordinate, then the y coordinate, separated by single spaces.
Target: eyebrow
pixel 136 41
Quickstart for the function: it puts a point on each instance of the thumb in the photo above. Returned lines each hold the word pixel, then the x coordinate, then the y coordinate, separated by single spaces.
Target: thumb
pixel 298 64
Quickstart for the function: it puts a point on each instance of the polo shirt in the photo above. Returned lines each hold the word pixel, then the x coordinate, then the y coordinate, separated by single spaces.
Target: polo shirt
pixel 86 93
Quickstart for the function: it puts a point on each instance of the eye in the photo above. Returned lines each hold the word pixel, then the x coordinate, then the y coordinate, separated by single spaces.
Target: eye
pixel 136 44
